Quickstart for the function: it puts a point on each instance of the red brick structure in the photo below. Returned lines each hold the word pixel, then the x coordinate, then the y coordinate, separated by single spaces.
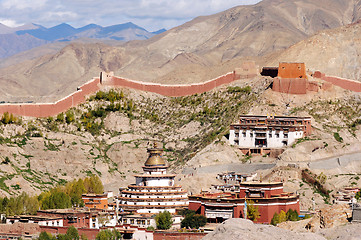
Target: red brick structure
pixel 292 79
pixel 97 201
pixel 268 197
pixel 165 235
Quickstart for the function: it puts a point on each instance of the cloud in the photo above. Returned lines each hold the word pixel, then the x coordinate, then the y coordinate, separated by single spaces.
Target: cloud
pixel 9 22
pixel 23 4
pixel 150 14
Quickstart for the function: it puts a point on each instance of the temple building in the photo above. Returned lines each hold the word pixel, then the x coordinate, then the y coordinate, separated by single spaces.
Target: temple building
pixel 268 197
pixel 154 191
pixel 267 134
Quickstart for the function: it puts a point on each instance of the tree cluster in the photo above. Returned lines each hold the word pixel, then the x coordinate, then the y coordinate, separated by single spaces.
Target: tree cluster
pixel 8 118
pixel 108 235
pixel 71 234
pixel 56 198
pixel 291 215
pixel 192 220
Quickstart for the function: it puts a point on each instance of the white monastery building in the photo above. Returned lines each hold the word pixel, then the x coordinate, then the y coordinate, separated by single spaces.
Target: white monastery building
pixel 260 134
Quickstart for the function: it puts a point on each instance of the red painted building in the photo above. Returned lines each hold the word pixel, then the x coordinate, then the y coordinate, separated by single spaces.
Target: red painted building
pixel 268 197
pixel 97 201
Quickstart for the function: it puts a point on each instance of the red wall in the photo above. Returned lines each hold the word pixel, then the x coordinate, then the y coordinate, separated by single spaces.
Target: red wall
pixel 157 235
pixel 292 70
pixel 290 85
pixel 172 90
pixel 344 83
pixel 90 233
pixel 51 109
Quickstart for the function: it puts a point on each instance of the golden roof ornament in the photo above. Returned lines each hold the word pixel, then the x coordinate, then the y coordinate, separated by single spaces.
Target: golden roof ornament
pixel 155 157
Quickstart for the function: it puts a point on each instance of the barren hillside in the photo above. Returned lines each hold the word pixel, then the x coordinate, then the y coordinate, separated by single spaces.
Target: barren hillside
pixel 195 51
pixel 335 52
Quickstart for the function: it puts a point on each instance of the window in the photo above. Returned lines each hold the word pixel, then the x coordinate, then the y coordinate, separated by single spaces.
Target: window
pixel 286 135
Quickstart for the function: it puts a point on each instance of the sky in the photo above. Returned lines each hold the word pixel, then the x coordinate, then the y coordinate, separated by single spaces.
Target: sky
pixel 149 14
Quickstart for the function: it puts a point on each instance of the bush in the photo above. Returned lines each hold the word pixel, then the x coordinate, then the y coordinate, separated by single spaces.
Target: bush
pixel 60 117
pixel 337 136
pixel 69 118
pixel 164 220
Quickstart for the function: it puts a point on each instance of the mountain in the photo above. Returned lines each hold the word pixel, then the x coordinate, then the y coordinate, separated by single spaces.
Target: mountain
pixel 6 30
pixel 11 44
pixel 16 40
pixel 196 51
pixel 335 52
pixel 125 32
pixel 50 34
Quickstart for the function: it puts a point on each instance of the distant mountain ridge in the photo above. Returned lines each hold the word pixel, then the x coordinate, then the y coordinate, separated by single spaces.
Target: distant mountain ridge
pixel 67 32
pixel 15 40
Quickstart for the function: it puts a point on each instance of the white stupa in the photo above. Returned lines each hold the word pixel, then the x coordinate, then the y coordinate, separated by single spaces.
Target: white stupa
pixel 154 190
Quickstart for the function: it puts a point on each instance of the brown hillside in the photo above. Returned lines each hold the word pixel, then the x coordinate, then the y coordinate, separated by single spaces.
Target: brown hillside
pixel 201 45
pixel 335 52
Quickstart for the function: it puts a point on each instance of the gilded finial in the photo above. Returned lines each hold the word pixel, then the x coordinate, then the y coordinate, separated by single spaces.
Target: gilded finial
pixel 155 144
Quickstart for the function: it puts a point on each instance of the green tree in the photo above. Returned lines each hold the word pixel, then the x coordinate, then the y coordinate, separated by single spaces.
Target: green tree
pixel 46 236
pixel 164 220
pixel 5 118
pixel 193 220
pixel 93 184
pixel 252 211
pixel 275 219
pixel 108 235
pixel 75 190
pixel 292 215
pixel 283 217
pixel 72 233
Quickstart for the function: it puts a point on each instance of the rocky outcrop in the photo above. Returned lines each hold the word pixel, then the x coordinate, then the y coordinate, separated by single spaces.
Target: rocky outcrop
pixel 237 228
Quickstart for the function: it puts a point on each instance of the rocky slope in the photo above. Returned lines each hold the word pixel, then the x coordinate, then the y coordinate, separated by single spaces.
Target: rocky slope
pixel 334 52
pixel 199 50
pixel 233 228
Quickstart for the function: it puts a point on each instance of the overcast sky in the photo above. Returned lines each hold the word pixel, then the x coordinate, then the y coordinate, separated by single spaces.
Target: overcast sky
pixel 149 14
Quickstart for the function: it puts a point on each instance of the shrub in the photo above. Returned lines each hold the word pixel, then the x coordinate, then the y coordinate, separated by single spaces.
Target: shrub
pixel 69 118
pixel 60 117
pixel 337 136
